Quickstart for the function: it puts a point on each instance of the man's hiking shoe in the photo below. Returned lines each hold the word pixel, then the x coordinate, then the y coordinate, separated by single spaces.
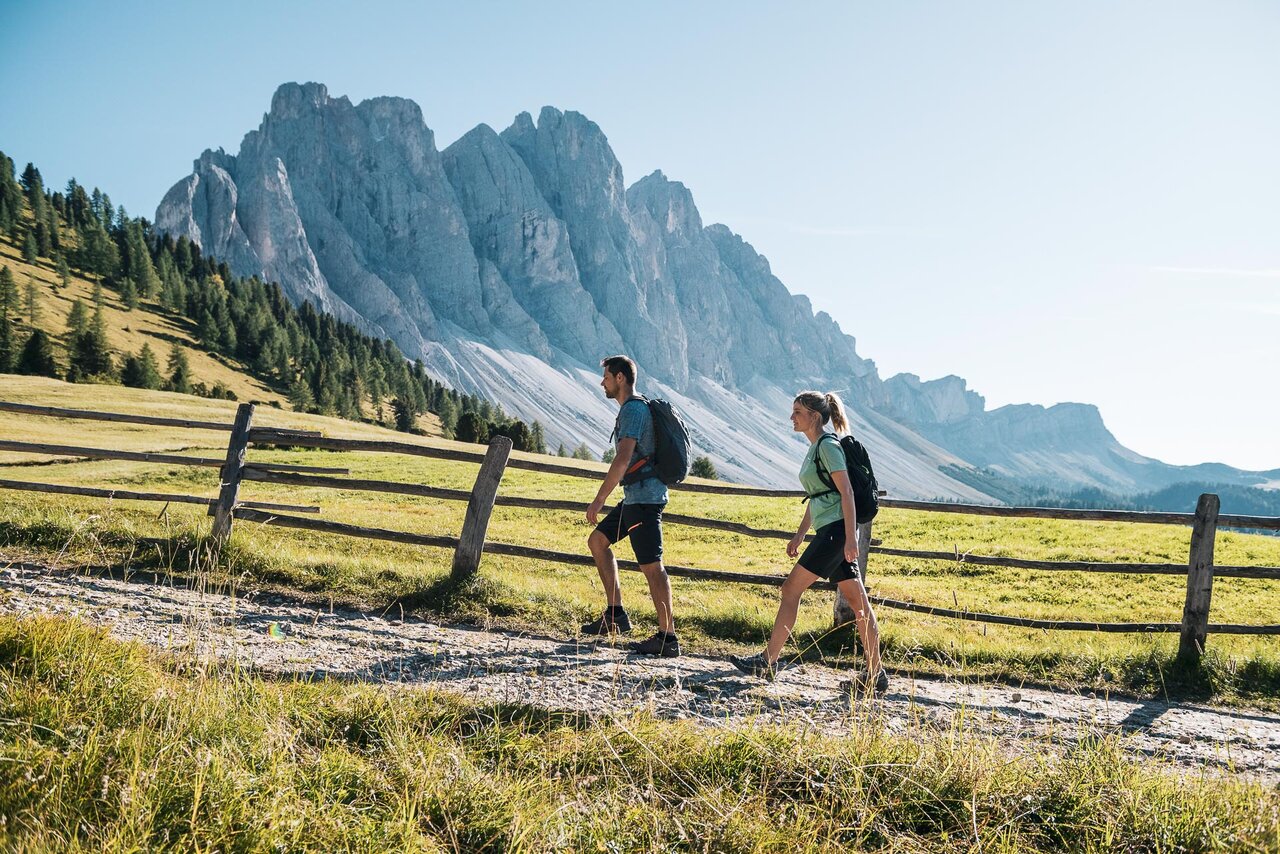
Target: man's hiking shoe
pixel 661 644
pixel 862 685
pixel 610 621
pixel 756 665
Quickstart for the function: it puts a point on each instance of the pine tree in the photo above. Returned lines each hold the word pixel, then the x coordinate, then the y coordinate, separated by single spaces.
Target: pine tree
pixel 537 438
pixel 37 356
pixel 142 371
pixel 8 308
pixel 582 452
pixel 8 294
pixel 608 455
pixel 561 452
pixel 703 467
pixel 30 251
pixel 403 414
pixel 179 370
pixel 77 319
pixel 300 396
pixel 31 305
pixel 64 271
pixel 472 428
pixel 6 346
pixel 129 293
pixel 90 351
pixel 448 414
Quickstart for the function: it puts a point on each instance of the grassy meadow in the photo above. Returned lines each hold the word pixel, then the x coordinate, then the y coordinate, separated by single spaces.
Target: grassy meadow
pixel 713 617
pixel 107 747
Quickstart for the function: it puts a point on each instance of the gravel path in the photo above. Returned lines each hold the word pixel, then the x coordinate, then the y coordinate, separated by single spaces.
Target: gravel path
pixel 279 636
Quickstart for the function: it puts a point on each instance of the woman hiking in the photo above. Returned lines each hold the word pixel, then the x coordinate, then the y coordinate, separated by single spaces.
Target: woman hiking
pixel 833 554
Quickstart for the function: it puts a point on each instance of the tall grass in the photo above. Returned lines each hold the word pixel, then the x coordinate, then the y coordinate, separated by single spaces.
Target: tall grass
pixel 108 748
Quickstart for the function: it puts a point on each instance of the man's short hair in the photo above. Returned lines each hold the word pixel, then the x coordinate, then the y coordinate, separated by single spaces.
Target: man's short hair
pixel 620 365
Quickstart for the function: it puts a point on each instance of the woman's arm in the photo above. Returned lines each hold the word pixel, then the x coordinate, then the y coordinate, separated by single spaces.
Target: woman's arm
pixel 841 480
pixel 793 547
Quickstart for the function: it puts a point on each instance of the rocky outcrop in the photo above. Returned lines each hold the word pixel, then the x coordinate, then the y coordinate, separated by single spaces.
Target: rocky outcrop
pixel 517 236
pixel 621 264
pixel 511 263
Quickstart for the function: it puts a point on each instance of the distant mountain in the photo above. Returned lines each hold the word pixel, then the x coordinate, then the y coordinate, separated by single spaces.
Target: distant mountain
pixel 511 262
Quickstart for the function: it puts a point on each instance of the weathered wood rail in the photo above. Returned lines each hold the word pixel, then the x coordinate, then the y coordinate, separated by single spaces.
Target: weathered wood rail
pixel 471 545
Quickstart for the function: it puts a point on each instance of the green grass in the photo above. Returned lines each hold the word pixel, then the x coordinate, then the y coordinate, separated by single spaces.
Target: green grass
pixel 107 747
pixel 550 597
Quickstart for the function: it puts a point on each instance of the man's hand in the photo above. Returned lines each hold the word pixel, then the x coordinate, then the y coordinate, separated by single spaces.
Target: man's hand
pixel 593 511
pixel 793 547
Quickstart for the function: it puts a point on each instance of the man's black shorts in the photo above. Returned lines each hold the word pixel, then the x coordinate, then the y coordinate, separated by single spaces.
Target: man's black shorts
pixel 642 523
pixel 825 554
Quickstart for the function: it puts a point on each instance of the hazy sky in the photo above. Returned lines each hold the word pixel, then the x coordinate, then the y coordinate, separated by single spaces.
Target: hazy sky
pixel 1074 201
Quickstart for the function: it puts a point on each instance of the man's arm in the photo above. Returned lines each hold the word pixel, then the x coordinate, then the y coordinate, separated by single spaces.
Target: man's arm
pixel 622 459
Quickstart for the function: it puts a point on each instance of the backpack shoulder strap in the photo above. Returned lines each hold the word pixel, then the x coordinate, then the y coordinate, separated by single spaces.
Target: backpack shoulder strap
pixel 617 419
pixel 823 474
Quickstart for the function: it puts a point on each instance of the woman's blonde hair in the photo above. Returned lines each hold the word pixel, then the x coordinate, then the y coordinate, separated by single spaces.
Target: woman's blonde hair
pixel 828 405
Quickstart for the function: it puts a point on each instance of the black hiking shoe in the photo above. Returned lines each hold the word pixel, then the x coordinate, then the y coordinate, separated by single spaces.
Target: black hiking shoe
pixel 661 644
pixel 862 685
pixel 610 621
pixel 756 665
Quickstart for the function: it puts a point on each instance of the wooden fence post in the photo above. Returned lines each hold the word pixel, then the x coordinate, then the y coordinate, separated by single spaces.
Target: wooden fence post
pixel 232 470
pixel 1195 613
pixel 466 559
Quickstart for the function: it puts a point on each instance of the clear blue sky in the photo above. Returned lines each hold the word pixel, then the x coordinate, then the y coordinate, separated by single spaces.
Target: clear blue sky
pixel 1075 201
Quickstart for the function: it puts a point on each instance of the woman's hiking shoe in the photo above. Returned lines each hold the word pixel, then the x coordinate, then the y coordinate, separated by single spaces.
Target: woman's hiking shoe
pixel 862 685
pixel 611 621
pixel 756 665
pixel 661 644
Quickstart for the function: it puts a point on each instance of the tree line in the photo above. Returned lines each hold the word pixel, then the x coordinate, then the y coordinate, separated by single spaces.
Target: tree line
pixel 320 363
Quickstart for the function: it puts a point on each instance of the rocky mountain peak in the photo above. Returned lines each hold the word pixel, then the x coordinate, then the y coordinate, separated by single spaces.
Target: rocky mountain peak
pixel 670 203
pixel 292 100
pixel 511 262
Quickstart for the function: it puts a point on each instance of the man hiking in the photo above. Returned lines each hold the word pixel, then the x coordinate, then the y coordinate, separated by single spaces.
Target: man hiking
pixel 638 517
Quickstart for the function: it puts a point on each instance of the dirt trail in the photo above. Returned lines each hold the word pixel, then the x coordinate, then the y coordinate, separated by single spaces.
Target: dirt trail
pixel 279 636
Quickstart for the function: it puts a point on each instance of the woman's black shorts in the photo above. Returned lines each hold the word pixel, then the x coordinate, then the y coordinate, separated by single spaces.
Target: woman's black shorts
pixel 825 554
pixel 642 523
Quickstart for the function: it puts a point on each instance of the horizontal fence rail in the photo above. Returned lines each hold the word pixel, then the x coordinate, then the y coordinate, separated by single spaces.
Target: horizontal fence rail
pixel 128 418
pixel 256 473
pixel 131 495
pixel 271 436
pixel 149 457
pixel 1080 566
pixel 509 549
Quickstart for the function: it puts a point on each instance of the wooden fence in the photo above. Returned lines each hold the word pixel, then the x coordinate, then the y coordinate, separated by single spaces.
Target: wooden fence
pixel 470 545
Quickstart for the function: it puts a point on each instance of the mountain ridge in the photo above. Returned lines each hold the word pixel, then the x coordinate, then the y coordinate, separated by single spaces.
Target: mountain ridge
pixel 526 248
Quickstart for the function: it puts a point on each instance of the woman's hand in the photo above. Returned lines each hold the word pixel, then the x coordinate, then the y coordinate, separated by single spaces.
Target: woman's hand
pixel 850 551
pixel 793 547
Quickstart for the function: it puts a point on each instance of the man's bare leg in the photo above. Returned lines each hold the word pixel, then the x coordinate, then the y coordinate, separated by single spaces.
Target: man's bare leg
pixel 607 566
pixel 659 589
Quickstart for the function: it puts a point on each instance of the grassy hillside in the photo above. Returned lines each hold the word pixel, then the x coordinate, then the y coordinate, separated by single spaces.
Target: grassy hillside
pixel 521 593
pixel 127 330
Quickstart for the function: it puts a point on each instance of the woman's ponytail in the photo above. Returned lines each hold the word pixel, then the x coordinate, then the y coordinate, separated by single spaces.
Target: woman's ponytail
pixel 836 407
pixel 828 405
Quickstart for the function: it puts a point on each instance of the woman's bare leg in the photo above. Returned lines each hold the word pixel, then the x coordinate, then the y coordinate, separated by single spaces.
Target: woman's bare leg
pixel 796 584
pixel 864 620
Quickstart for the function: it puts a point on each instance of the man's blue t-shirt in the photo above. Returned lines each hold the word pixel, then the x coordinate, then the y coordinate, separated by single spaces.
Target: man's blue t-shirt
pixel 636 422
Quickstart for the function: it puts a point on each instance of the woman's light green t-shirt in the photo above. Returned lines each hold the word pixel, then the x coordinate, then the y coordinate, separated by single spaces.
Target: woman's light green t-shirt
pixel 824 509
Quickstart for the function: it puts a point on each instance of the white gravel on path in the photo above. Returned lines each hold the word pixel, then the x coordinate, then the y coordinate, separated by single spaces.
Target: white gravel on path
pixel 283 637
